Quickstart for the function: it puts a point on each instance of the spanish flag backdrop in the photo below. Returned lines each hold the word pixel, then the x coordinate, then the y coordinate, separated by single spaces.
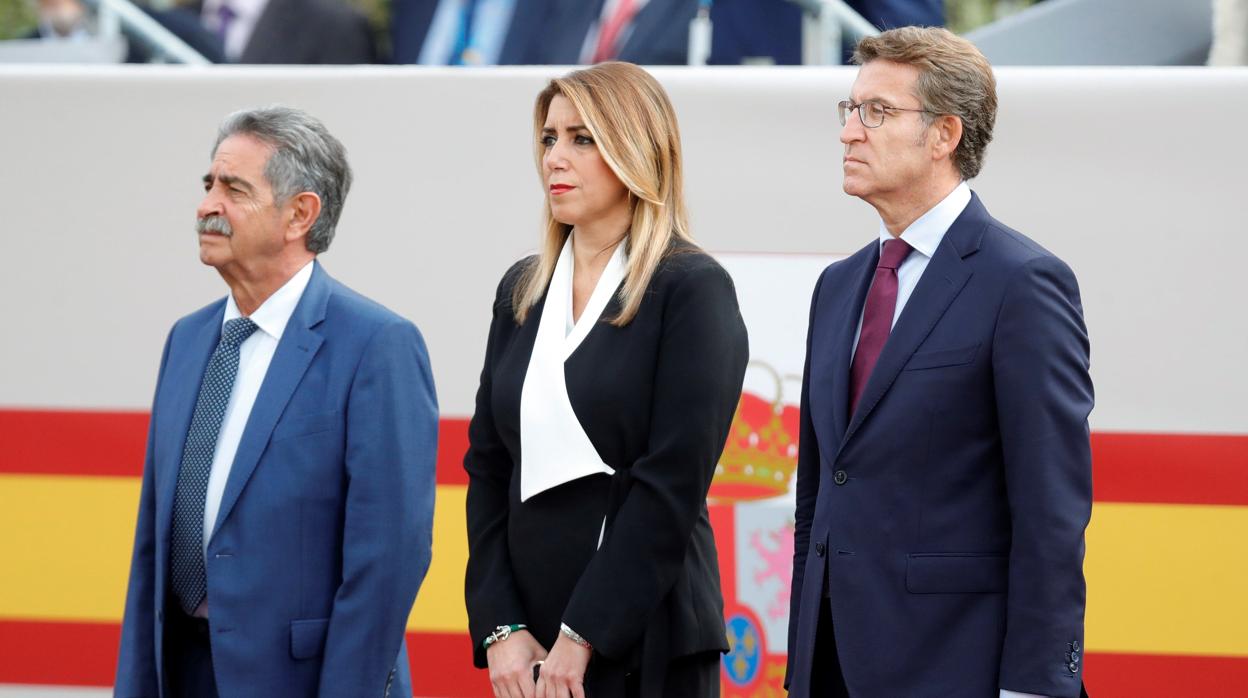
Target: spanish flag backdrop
pixel 1166 565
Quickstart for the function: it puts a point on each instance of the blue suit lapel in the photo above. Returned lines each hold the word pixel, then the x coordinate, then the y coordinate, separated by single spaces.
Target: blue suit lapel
pixel 299 344
pixel 186 372
pixel 943 279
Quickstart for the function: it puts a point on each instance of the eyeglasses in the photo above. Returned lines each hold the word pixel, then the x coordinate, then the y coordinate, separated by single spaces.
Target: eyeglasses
pixel 870 113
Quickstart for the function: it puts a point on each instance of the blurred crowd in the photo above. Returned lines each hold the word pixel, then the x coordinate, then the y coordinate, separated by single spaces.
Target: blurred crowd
pixel 478 32
pixel 511 32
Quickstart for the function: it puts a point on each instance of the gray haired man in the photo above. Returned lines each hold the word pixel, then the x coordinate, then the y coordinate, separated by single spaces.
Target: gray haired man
pixel 286 512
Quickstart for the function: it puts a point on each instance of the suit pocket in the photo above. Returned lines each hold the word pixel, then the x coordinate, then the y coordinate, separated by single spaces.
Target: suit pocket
pixel 307 637
pixel 942 358
pixel 306 424
pixel 957 573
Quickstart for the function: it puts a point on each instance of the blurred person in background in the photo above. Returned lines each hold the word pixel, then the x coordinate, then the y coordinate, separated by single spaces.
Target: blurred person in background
pixel 71 20
pixel 289 32
pixel 647 32
pixel 62 19
pixel 944 479
pixel 286 511
pixel 770 31
pixel 541 32
pixel 457 32
pixel 613 367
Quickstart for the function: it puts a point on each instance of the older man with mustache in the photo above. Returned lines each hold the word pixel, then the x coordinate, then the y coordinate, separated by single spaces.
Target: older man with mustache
pixel 286 511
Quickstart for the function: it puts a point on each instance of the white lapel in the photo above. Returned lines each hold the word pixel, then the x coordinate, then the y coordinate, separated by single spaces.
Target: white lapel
pixel 554 447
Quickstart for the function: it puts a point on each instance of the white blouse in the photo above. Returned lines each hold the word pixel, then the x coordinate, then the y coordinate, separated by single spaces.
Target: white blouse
pixel 554 448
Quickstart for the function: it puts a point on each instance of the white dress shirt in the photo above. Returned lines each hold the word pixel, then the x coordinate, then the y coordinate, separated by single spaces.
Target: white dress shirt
pixel 254 356
pixel 924 235
pixel 246 15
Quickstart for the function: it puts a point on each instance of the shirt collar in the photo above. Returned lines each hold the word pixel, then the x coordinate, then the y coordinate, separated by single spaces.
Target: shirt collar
pixel 242 8
pixel 273 314
pixel 925 234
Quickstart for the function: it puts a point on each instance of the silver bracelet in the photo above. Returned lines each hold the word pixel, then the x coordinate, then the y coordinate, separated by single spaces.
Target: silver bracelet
pixel 573 636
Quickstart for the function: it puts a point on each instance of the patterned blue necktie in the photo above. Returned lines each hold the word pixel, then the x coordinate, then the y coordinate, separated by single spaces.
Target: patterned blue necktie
pixel 186 559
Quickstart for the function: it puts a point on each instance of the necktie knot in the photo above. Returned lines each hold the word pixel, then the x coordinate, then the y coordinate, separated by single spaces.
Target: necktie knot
pixel 237 330
pixel 895 252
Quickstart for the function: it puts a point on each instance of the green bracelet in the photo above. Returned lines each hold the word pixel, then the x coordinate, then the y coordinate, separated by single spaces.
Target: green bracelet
pixel 501 633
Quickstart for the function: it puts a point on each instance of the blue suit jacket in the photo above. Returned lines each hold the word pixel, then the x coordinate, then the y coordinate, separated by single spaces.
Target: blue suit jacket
pixel 946 515
pixel 324 531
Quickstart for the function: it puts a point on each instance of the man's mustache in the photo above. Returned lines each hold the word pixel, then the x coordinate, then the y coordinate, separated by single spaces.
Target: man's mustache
pixel 213 224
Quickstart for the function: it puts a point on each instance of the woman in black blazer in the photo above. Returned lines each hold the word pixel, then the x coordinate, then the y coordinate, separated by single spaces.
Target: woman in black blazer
pixel 614 363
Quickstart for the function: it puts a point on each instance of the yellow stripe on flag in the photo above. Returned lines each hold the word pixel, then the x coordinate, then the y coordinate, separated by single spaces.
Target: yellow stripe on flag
pixel 1167 579
pixel 1162 579
pixel 66 541
pixel 440 604
pixel 66 545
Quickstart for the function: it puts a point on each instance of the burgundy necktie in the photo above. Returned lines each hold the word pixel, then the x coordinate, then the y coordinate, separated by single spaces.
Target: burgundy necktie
pixel 877 317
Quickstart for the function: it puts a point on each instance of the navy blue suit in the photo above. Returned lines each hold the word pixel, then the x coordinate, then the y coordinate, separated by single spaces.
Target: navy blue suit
pixel 945 518
pixel 324 531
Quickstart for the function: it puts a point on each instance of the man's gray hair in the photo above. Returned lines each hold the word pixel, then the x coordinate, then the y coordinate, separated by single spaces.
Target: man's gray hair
pixel 305 158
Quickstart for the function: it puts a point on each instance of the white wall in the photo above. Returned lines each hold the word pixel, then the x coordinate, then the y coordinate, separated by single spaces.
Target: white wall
pixel 1134 176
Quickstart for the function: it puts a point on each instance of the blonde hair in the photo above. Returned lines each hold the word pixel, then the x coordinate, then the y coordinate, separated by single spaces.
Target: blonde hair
pixel 954 79
pixel 632 121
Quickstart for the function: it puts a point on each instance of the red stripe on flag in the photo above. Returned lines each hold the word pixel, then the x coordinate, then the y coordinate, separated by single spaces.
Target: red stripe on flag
pixel 452 445
pixel 1170 468
pixel 85 654
pixel 1164 675
pixel 442 667
pixel 1128 467
pixel 75 442
pixel 62 442
pixel 724 523
pixel 70 654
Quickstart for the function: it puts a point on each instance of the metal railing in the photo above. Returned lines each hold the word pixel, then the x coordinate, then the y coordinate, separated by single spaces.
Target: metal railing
pixel 824 23
pixel 117 17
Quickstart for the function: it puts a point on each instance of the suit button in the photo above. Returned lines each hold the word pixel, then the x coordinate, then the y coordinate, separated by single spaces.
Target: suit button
pixel 1075 645
pixel 840 477
pixel 819 549
pixel 1074 667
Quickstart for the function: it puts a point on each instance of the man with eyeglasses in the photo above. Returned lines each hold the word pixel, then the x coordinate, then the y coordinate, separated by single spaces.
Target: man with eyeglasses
pixel 944 475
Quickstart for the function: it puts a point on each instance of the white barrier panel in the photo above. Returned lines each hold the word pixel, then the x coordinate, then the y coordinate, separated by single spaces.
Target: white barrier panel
pixel 1134 176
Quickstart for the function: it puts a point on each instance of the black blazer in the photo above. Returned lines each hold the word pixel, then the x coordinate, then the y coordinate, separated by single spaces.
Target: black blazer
pixel 656 398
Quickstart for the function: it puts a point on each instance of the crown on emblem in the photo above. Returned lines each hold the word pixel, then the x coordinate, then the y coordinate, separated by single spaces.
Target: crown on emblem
pixel 760 455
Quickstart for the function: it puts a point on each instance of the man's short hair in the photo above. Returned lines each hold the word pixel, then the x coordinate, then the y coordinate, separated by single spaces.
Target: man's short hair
pixel 954 78
pixel 306 157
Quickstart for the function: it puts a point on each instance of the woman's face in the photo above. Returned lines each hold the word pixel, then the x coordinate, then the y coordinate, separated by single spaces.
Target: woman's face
pixel 581 188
